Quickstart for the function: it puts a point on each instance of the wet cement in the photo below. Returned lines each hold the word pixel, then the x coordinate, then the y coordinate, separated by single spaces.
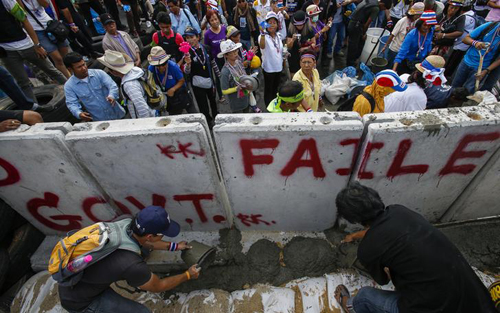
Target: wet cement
pixel 267 262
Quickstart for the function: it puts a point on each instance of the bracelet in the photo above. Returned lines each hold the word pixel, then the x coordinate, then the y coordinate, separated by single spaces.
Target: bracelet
pixel 474 43
pixel 188 275
pixel 172 247
pixel 72 24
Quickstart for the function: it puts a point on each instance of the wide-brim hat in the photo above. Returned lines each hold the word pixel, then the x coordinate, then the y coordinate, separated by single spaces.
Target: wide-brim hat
pixel 299 18
pixel 158 56
pixel 432 61
pixel 391 79
pixel 117 61
pixel 313 10
pixel 417 9
pixel 227 46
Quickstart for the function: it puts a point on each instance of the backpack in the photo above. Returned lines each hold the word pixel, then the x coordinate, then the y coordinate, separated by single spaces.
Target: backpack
pixel 347 105
pixel 155 98
pixel 98 241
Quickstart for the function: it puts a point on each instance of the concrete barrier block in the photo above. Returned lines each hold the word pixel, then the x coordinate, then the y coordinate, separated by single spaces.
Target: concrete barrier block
pixel 311 293
pixel 42 180
pixel 168 161
pixel 282 170
pixel 425 159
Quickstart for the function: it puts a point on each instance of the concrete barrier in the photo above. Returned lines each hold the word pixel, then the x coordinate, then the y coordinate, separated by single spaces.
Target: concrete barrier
pixel 41 179
pixel 425 159
pixel 282 171
pixel 168 162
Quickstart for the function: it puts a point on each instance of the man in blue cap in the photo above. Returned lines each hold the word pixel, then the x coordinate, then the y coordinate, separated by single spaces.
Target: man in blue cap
pixel 144 232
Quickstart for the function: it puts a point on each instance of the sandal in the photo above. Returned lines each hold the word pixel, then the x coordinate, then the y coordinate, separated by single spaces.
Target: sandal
pixel 340 292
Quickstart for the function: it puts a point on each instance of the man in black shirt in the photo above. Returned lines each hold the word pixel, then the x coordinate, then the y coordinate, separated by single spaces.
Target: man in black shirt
pixel 429 272
pixel 93 293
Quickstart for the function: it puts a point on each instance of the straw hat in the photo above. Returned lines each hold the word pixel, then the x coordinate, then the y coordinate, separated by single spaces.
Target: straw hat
pixel 417 9
pixel 158 56
pixel 313 10
pixel 227 46
pixel 434 60
pixel 117 61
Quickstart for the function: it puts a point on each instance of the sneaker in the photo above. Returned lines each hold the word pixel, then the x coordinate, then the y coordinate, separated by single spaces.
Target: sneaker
pixel 256 109
pixel 329 55
pixel 339 54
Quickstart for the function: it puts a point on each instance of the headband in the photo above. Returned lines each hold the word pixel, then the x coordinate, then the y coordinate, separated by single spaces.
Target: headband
pixel 293 99
pixel 435 75
pixel 307 55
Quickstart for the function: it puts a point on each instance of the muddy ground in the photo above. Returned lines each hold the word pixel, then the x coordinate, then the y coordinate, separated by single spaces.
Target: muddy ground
pixel 266 262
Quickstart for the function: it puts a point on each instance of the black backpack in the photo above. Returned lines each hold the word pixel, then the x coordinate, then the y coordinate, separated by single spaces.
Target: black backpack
pixel 347 105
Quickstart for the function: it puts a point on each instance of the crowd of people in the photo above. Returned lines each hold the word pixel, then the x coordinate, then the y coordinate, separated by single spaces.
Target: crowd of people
pixel 202 54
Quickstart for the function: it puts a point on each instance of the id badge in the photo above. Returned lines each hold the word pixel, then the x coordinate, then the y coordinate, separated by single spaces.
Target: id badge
pixel 243 22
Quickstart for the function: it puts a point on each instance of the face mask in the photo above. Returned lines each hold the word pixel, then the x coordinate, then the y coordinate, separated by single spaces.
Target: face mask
pixel 315 19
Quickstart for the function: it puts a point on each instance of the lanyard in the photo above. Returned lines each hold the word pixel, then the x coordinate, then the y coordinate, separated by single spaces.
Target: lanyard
pixel 203 62
pixel 164 80
pixel 276 43
pixel 421 46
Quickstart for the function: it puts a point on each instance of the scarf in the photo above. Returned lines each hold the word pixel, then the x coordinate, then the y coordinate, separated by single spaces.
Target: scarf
pixel 237 71
pixel 245 13
pixel 433 74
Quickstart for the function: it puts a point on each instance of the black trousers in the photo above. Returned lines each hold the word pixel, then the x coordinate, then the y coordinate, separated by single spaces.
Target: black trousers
pixel 203 97
pixel 453 62
pixel 85 10
pixel 271 85
pixel 354 42
pixel 133 17
pixel 112 8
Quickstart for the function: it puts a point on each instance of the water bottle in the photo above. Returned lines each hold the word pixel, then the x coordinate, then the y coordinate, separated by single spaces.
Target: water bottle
pixel 79 264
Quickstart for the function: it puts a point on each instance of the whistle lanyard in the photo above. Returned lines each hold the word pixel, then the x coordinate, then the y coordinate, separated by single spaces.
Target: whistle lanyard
pixel 203 62
pixel 421 46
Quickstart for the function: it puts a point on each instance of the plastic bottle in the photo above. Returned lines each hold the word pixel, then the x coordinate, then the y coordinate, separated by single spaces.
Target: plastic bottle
pixel 79 264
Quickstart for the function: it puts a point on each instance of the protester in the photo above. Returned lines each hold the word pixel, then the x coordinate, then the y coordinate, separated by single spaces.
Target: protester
pixel 494 14
pixel 484 40
pixel 214 36
pixel 169 77
pixel 245 19
pixel 402 27
pixel 411 99
pixel 319 28
pixel 84 7
pixel 300 38
pixel 338 10
pixel 91 95
pixel 321 4
pixel 199 71
pixel 39 19
pixel 400 245
pixel 398 10
pixel 144 232
pixel 308 76
pixel 366 12
pixel 417 44
pixel 481 8
pixel 181 18
pixel 122 66
pixel 385 83
pixel 233 70
pixel 119 41
pixel 290 98
pixel 213 5
pixel 131 9
pixel 451 26
pixel 167 38
pixel 271 45
pixel 246 53
pixel 262 7
pixel 282 16
pixel 20 47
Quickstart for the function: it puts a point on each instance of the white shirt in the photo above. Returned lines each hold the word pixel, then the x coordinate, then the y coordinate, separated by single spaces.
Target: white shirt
pixel 412 99
pixel 282 31
pixel 39 12
pixel 399 32
pixel 262 10
pixel 399 10
pixel 337 18
pixel 272 55
pixel 470 24
pixel 24 44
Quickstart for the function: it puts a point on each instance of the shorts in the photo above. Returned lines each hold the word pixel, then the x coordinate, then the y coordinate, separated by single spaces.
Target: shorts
pixel 48 45
pixel 11 114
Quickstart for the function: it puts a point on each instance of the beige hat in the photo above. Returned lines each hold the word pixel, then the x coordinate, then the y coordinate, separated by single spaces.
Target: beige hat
pixel 434 60
pixel 417 9
pixel 313 10
pixel 158 56
pixel 117 61
pixel 227 46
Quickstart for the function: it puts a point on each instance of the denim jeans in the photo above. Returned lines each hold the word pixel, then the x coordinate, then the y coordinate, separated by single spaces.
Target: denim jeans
pixel 110 301
pixel 339 30
pixel 464 77
pixel 491 79
pixel 390 56
pixel 14 62
pixel 11 88
pixel 372 300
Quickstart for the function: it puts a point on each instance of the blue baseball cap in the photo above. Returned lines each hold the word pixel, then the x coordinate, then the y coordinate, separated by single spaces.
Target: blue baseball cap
pixel 155 220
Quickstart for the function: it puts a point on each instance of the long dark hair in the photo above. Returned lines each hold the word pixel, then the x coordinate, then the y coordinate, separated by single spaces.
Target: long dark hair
pixel 417 77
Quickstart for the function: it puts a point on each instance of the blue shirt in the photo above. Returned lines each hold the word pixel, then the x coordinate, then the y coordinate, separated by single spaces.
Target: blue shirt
pixel 410 46
pixel 174 74
pixel 471 58
pixel 185 19
pixel 92 93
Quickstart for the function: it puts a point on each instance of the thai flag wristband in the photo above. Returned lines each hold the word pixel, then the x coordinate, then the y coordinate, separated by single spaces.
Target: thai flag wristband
pixel 172 247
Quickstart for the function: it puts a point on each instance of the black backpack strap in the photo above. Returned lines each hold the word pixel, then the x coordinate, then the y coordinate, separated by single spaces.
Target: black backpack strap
pixel 370 99
pixel 33 16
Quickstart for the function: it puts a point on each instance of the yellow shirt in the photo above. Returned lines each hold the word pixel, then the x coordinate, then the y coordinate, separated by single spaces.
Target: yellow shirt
pixel 362 105
pixel 312 99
